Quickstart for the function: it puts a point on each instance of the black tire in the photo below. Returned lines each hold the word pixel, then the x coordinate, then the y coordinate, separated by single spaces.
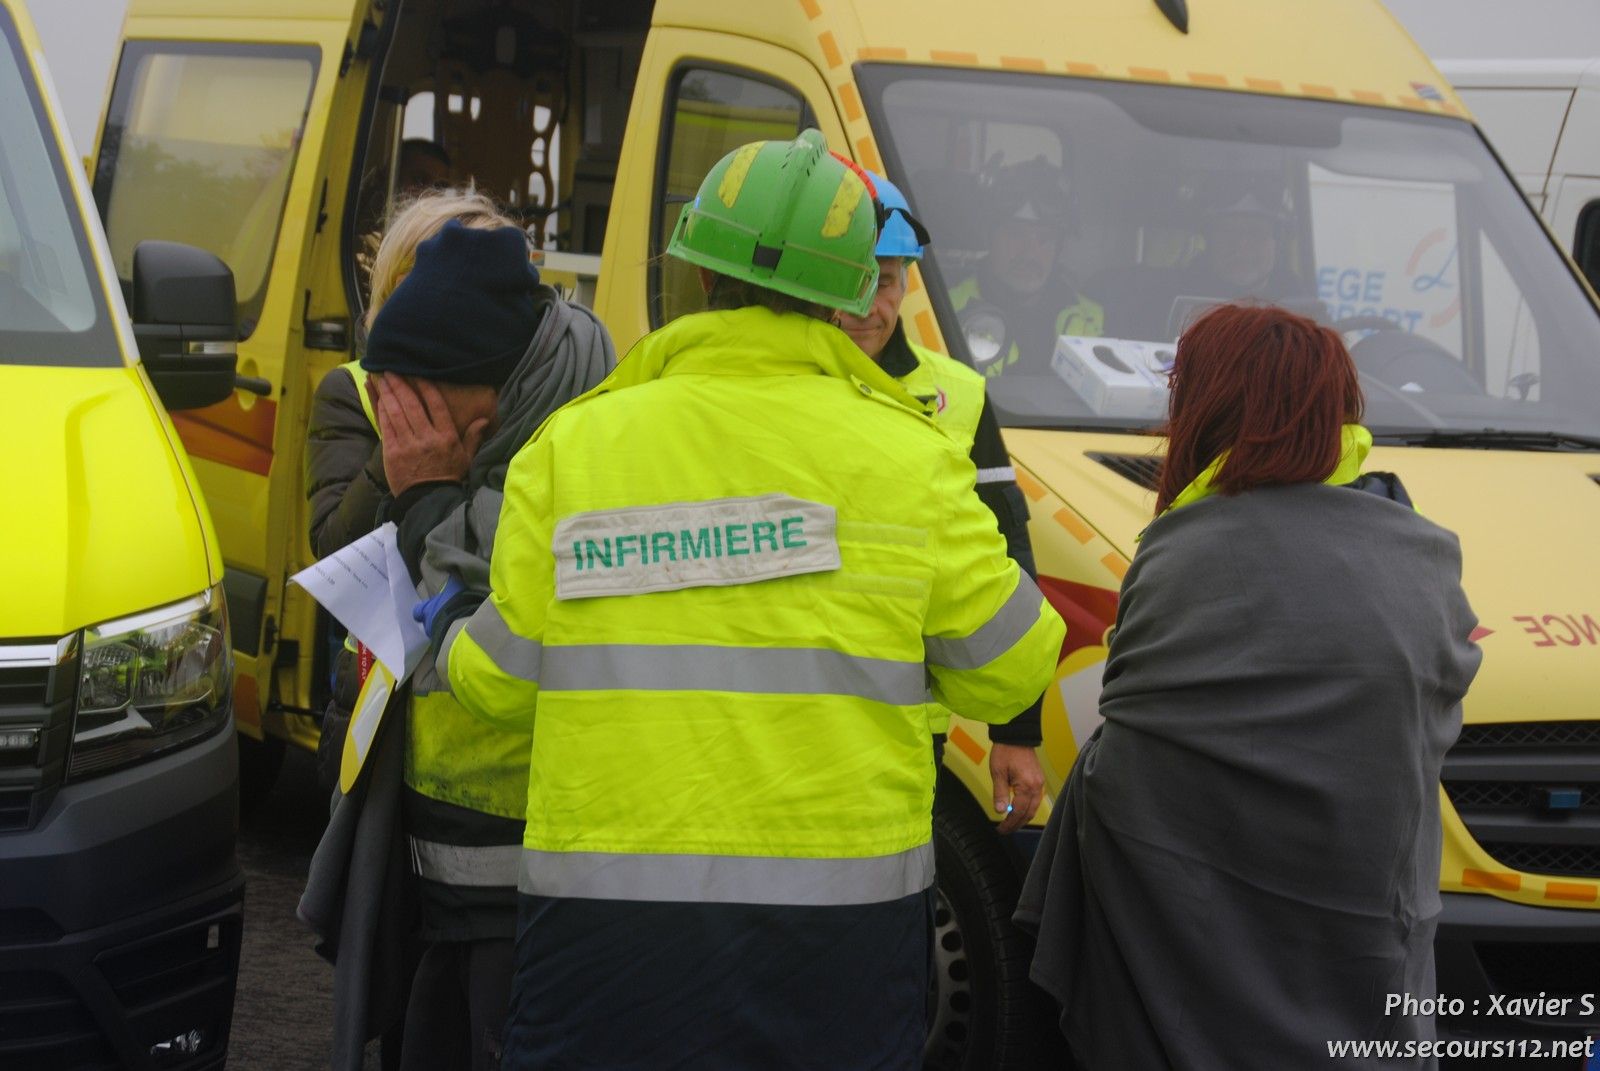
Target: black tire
pixel 983 1011
pixel 259 764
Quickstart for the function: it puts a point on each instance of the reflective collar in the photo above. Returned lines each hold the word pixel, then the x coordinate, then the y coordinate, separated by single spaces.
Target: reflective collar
pixel 752 341
pixel 1355 443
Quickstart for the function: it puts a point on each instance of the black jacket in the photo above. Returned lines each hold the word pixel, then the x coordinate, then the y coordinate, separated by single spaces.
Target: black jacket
pixel 344 466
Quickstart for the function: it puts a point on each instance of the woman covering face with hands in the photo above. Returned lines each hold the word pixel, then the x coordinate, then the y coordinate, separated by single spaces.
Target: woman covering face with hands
pixel 469 353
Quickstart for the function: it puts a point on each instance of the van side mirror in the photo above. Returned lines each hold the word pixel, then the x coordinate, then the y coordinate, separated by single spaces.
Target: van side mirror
pixel 183 309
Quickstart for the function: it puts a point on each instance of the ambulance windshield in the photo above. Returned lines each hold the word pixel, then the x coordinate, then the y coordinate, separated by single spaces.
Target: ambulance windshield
pixel 1078 225
pixel 51 309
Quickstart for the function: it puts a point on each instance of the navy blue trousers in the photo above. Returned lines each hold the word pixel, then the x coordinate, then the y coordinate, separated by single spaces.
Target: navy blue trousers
pixel 626 985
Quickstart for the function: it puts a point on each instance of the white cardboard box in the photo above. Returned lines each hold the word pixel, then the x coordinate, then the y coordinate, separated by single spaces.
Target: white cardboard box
pixel 1114 376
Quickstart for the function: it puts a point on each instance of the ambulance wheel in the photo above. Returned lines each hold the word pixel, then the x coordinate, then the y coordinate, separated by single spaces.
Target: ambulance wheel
pixel 259 764
pixel 982 1008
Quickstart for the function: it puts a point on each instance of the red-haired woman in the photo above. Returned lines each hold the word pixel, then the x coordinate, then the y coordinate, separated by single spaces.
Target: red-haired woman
pixel 1245 862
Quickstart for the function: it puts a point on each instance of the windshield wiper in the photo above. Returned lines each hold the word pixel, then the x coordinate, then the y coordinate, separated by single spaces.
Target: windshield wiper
pixel 1496 439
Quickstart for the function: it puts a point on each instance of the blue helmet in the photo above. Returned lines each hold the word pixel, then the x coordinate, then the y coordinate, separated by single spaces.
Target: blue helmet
pixel 900 234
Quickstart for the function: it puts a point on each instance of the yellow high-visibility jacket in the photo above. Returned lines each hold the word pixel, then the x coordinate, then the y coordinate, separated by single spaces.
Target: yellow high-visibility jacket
pixel 721 597
pixel 455 759
pixel 955 391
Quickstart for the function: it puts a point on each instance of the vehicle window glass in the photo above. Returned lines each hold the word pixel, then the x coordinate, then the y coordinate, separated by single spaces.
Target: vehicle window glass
pixel 51 310
pixel 709 114
pixel 1409 275
pixel 1510 331
pixel 1078 225
pixel 199 147
pixel 1586 243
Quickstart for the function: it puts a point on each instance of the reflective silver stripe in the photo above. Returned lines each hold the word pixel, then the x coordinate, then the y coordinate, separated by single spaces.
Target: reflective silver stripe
pixel 459 864
pixel 1002 474
pixel 516 656
pixel 726 879
pixel 754 670
pixel 997 636
pixel 441 661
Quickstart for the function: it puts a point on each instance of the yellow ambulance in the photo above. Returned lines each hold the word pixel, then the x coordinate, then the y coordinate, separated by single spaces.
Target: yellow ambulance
pixel 1093 173
pixel 120 895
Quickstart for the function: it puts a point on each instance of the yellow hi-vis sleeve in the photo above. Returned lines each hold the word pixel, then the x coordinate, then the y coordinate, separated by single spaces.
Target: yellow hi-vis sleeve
pixel 990 639
pixel 492 660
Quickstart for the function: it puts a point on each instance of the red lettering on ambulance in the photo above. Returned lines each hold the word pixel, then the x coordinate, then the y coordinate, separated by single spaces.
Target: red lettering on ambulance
pixel 1533 628
pixel 1567 630
pixel 1551 620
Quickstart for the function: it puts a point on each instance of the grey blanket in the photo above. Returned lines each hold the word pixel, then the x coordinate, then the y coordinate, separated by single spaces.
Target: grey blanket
pixel 570 353
pixel 1245 860
pixel 359 898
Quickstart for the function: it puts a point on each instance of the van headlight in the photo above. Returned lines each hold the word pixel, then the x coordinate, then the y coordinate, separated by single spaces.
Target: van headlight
pixel 151 682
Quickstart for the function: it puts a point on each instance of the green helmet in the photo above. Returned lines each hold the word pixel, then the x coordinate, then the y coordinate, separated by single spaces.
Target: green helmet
pixel 788 216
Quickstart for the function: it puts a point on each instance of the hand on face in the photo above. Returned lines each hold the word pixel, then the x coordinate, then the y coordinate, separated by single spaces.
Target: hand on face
pixel 426 437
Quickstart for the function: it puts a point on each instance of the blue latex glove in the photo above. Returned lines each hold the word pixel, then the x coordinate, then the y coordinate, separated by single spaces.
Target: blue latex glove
pixel 428 610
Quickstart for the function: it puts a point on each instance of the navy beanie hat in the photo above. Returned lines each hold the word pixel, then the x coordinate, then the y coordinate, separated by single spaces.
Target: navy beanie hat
pixel 464 314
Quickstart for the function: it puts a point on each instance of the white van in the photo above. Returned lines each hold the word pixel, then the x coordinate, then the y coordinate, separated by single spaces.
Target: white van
pixel 1531 77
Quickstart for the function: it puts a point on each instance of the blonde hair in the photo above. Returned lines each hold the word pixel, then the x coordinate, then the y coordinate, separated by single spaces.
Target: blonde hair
pixel 413 222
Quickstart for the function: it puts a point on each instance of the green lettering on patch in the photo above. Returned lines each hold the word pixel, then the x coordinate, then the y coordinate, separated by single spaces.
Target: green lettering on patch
pixel 726 541
pixel 695 545
pixel 792 527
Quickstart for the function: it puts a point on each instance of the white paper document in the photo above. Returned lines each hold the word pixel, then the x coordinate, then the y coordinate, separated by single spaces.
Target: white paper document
pixel 367 587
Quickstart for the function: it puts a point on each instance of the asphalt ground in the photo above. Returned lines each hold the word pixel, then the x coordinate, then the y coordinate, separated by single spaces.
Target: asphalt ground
pixel 283 1011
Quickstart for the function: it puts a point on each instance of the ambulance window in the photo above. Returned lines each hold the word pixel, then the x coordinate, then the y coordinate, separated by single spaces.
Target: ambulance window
pixel 199 147
pixel 1369 265
pixel 50 310
pixel 1510 336
pixel 1586 243
pixel 709 113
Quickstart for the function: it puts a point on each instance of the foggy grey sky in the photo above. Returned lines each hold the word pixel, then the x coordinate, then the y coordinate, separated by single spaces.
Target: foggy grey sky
pixel 80 39
pixel 80 45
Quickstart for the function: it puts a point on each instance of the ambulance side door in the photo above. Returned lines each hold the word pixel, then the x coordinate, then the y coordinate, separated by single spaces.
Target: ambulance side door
pixel 214 135
pixel 699 95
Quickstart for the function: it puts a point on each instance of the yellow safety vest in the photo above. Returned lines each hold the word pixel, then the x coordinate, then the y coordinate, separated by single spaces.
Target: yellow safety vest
pixel 723 585
pixel 1084 316
pixel 359 374
pixel 458 759
pixel 954 390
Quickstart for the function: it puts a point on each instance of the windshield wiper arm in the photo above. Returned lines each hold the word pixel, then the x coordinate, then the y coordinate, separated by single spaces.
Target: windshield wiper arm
pixel 1492 438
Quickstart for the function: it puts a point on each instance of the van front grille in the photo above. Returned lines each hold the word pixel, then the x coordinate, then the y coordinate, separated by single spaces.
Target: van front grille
pixel 1141 469
pixel 1514 796
pixel 1530 735
pixel 1530 794
pixel 1575 862
pixel 38 687
pixel 24 686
